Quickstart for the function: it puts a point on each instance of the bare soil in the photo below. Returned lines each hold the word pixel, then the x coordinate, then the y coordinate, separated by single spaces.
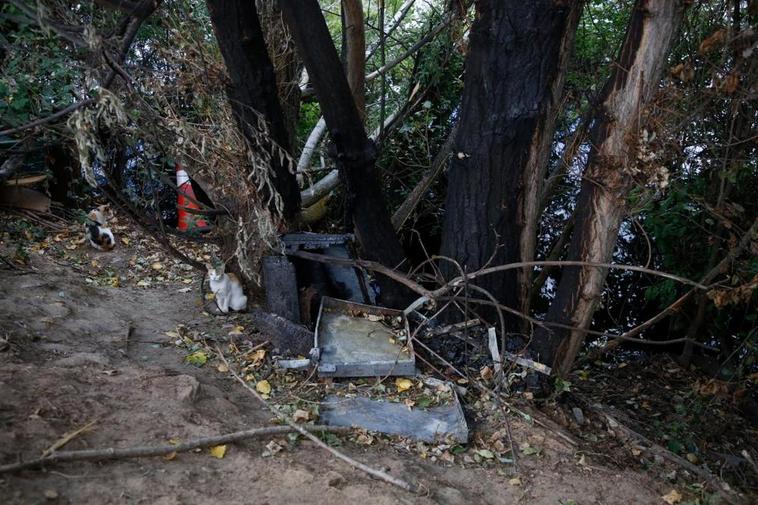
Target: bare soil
pixel 74 351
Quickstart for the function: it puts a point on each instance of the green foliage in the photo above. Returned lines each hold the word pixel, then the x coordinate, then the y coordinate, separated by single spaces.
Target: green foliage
pixel 36 77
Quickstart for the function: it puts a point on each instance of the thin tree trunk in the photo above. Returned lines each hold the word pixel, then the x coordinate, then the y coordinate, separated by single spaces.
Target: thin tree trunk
pixel 601 204
pixel 514 78
pixel 353 152
pixel 355 37
pixel 252 89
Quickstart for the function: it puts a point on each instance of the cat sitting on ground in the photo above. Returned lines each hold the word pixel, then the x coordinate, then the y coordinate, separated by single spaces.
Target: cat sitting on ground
pixel 99 236
pixel 227 289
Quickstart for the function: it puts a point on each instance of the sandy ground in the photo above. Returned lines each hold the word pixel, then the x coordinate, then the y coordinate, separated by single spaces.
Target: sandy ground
pixel 67 361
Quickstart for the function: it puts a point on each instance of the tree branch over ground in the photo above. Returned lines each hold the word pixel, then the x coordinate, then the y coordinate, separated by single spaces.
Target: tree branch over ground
pixel 112 453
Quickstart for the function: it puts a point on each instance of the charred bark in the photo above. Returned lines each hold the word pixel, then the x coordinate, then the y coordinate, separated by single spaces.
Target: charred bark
pixel 353 152
pixel 252 89
pixel 601 204
pixel 514 78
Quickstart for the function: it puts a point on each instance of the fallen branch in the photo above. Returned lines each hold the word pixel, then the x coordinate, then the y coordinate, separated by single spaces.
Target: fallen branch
pixel 67 437
pixel 378 474
pixel 406 208
pixel 162 450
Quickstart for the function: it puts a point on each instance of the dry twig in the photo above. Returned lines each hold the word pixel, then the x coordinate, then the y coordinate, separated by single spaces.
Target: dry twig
pixel 162 450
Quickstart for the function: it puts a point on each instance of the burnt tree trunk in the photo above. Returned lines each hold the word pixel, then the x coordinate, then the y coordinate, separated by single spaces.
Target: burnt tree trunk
pixel 607 180
pixel 355 55
pixel 514 78
pixel 353 152
pixel 252 89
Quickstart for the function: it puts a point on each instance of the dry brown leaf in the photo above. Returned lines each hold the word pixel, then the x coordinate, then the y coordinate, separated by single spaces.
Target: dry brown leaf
pixel 716 39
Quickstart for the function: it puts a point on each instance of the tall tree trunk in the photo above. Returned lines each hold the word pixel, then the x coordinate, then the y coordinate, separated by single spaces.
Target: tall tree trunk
pixel 355 38
pixel 601 204
pixel 287 64
pixel 252 89
pixel 514 78
pixel 353 152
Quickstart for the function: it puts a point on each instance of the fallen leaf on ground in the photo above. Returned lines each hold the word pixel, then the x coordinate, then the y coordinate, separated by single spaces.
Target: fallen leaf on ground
pixel 403 384
pixel 170 456
pixel 222 368
pixel 218 451
pixel 263 387
pixel 197 358
pixel 301 416
pixel 672 497
pixel 516 481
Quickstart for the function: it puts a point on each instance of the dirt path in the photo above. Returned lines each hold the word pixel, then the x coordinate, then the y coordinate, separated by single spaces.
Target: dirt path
pixel 68 361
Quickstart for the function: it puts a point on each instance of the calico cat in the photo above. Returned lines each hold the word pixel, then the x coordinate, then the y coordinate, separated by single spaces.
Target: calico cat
pixel 99 236
pixel 227 288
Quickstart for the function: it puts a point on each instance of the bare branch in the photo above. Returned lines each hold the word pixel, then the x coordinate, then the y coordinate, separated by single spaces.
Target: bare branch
pixel 162 450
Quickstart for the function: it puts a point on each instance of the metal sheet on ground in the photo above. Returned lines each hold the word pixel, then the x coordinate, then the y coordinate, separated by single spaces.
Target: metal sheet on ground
pixel 354 340
pixel 430 425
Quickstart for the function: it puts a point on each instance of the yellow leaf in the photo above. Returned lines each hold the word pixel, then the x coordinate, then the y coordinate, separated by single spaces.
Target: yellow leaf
pixel 237 330
pixel 222 368
pixel 197 358
pixel 403 384
pixel 125 241
pixel 516 481
pixel 672 497
pixel 218 451
pixel 157 265
pixel 264 387
pixel 170 456
pixel 115 282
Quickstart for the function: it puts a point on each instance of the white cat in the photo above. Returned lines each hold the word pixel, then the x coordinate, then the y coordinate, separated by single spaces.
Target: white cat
pixel 99 236
pixel 227 288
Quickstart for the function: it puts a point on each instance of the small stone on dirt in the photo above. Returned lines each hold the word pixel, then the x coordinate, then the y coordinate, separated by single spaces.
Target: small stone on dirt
pixel 187 388
pixel 334 479
pixel 51 494
pixel 578 415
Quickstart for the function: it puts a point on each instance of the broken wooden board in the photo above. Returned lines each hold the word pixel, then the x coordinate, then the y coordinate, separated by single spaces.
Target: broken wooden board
pixel 289 338
pixel 280 283
pixel 435 424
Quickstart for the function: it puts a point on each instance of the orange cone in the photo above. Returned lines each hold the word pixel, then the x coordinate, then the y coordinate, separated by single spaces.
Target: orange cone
pixel 186 200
